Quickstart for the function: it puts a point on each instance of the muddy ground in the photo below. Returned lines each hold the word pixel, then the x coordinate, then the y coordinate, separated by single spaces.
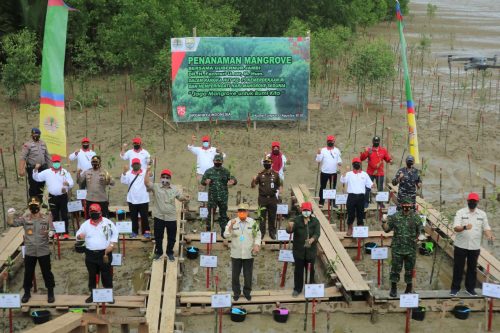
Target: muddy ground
pixel 467 141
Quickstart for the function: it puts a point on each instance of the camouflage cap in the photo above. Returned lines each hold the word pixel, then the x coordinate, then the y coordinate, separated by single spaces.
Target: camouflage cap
pixel 406 201
pixel 218 157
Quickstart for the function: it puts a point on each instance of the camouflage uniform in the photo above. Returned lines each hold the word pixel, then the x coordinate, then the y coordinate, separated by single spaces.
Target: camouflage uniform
pixel 407 185
pixel 404 243
pixel 218 193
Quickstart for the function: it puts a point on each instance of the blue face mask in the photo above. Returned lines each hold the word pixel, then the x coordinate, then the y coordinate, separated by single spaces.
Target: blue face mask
pixel 206 144
pixel 56 165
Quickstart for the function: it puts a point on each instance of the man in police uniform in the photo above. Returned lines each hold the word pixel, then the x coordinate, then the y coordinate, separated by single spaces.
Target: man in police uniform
pixel 269 188
pixel 95 180
pixel 34 152
pixel 37 230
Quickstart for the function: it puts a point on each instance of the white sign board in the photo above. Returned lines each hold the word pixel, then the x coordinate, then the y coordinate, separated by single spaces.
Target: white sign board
pixel 60 227
pixel 75 206
pixel 10 301
pixel 286 256
pixel 221 301
pixel 408 301
pixel 282 209
pixel 117 259
pixel 203 196
pixel 102 295
pixel 341 199
pixel 23 250
pixel 491 290
pixel 391 210
pixel 124 227
pixel 382 197
pixel 208 261
pixel 380 253
pixel 203 212
pixel 314 291
pixel 205 237
pixel 329 194
pixel 424 220
pixel 284 236
pixel 81 194
pixel 360 232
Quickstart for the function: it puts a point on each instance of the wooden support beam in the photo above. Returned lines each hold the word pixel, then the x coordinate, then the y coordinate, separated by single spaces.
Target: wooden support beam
pixel 37 300
pixel 63 324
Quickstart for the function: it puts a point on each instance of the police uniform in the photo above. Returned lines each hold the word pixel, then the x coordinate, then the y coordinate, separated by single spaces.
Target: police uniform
pixel 269 183
pixel 35 152
pixel 95 181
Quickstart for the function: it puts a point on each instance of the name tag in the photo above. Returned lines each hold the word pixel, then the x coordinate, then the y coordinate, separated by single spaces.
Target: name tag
pixel 272 185
pixel 242 238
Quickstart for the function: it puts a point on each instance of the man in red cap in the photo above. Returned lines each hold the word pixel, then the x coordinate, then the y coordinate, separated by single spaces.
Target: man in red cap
pixel 306 231
pixel 470 224
pixel 137 152
pixel 137 197
pixel 204 155
pixel 101 236
pixel 59 182
pixel 329 158
pixel 278 159
pixel 357 182
pixel 164 212
pixel 84 156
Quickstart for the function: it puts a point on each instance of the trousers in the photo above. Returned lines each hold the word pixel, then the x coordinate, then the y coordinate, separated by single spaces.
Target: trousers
pixel 212 207
pixel 159 229
pixel 269 214
pixel 459 257
pixel 397 262
pixel 135 210
pixel 300 271
pixel 58 205
pixel 29 270
pixel 247 265
pixel 355 208
pixel 95 265
pixel 35 188
pixel 324 178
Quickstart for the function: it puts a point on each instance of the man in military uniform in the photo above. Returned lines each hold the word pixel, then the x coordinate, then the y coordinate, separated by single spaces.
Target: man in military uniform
pixel 407 226
pixel 269 188
pixel 217 179
pixel 34 152
pixel 37 230
pixel 409 180
pixel 95 181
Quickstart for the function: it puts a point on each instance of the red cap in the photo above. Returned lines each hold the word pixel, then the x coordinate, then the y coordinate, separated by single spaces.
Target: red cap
pixel 306 206
pixel 356 159
pixel 95 207
pixel 56 158
pixel 275 144
pixel 137 140
pixel 85 140
pixel 473 196
pixel 136 160
pixel 205 138
pixel 330 138
pixel 166 172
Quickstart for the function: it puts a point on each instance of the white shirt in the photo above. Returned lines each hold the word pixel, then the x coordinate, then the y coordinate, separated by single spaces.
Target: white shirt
pixel 356 182
pixel 329 158
pixel 470 239
pixel 142 154
pixel 54 179
pixel 204 158
pixel 138 193
pixel 83 158
pixel 98 237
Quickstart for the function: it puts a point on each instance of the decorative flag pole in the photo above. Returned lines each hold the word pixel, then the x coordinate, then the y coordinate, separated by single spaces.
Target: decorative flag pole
pixel 412 123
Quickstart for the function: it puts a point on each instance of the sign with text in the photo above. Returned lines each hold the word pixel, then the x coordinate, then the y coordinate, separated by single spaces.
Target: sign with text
pixel 360 232
pixel 329 194
pixel 60 227
pixel 124 227
pixel 203 196
pixel 424 220
pixel 104 295
pixel 286 256
pixel 341 199
pixel 382 197
pixel 282 209
pixel 380 253
pixel 284 236
pixel 81 194
pixel 205 237
pixel 408 301
pixel 314 290
pixel 208 261
pixel 117 259
pixel 75 206
pixel 221 301
pixel 491 290
pixel 203 212
pixel 10 301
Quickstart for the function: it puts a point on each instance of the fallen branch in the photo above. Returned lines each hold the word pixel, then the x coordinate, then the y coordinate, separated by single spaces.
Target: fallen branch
pixel 164 120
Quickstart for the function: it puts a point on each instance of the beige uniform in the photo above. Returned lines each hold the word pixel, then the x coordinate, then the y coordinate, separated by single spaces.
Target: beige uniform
pixel 36 233
pixel 35 152
pixel 95 183
pixel 470 239
pixel 242 238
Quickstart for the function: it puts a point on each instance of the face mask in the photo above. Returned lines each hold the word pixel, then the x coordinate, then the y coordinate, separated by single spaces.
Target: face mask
pixel 406 209
pixel 330 144
pixel 356 166
pixel 56 165
pixel 267 166
pixel 34 209
pixel 409 164
pixel 85 146
pixel 242 215
pixel 95 216
pixel 306 213
pixel 376 144
pixel 165 181
pixel 472 204
pixel 136 167
pixel 276 152
pixel 95 166
pixel 217 164
pixel 35 137
pixel 206 144
pixel 137 147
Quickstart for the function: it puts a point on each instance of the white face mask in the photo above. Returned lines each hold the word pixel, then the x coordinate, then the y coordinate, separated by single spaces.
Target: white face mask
pixel 206 144
pixel 306 213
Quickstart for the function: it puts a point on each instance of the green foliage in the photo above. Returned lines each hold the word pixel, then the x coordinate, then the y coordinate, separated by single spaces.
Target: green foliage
pixel 20 67
pixel 431 11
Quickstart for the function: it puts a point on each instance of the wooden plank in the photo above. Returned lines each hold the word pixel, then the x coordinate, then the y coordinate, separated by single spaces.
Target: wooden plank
pixel 62 324
pixel 155 292
pixel 37 300
pixel 371 234
pixel 361 285
pixel 12 245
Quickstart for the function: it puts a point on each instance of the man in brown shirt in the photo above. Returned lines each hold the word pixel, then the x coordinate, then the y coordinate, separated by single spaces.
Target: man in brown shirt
pixel 95 181
pixel 34 152
pixel 269 186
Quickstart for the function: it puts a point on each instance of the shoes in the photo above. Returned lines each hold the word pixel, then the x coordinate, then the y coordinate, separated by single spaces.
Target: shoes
pixel 156 256
pixel 295 293
pixel 248 297
pixel 89 299
pixel 470 292
pixel 66 236
pixel 171 257
pixel 222 234
pixel 320 206
pixel 394 290
pixel 409 288
pixel 349 231
pixel 454 293
pixel 273 236
pixel 133 235
pixel 50 296
pixel 26 297
pixel 236 297
pixel 147 235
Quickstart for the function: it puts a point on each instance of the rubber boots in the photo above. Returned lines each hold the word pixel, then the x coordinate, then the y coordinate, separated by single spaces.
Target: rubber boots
pixel 50 296
pixel 409 288
pixel 394 290
pixel 349 230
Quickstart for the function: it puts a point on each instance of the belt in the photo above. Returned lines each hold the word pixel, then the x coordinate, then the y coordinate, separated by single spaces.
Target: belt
pixel 94 251
pixel 355 193
pixel 267 196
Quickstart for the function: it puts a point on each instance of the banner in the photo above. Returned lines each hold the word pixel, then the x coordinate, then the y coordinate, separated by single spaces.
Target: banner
pixel 410 109
pixel 52 123
pixel 240 78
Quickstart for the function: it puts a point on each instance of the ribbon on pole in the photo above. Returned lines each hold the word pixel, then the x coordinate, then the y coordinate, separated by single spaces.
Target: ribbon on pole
pixel 52 120
pixel 410 110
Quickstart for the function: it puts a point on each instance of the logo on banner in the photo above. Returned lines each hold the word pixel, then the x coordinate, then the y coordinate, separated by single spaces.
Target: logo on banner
pixel 51 124
pixel 190 43
pixel 181 111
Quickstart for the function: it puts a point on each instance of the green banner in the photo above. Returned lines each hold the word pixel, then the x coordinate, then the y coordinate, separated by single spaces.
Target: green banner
pixel 240 78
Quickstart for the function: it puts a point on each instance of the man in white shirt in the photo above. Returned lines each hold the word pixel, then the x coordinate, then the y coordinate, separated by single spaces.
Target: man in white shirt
pixel 84 156
pixel 469 224
pixel 330 160
pixel 59 182
pixel 137 152
pixel 357 182
pixel 100 237
pixel 204 155
pixel 137 197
